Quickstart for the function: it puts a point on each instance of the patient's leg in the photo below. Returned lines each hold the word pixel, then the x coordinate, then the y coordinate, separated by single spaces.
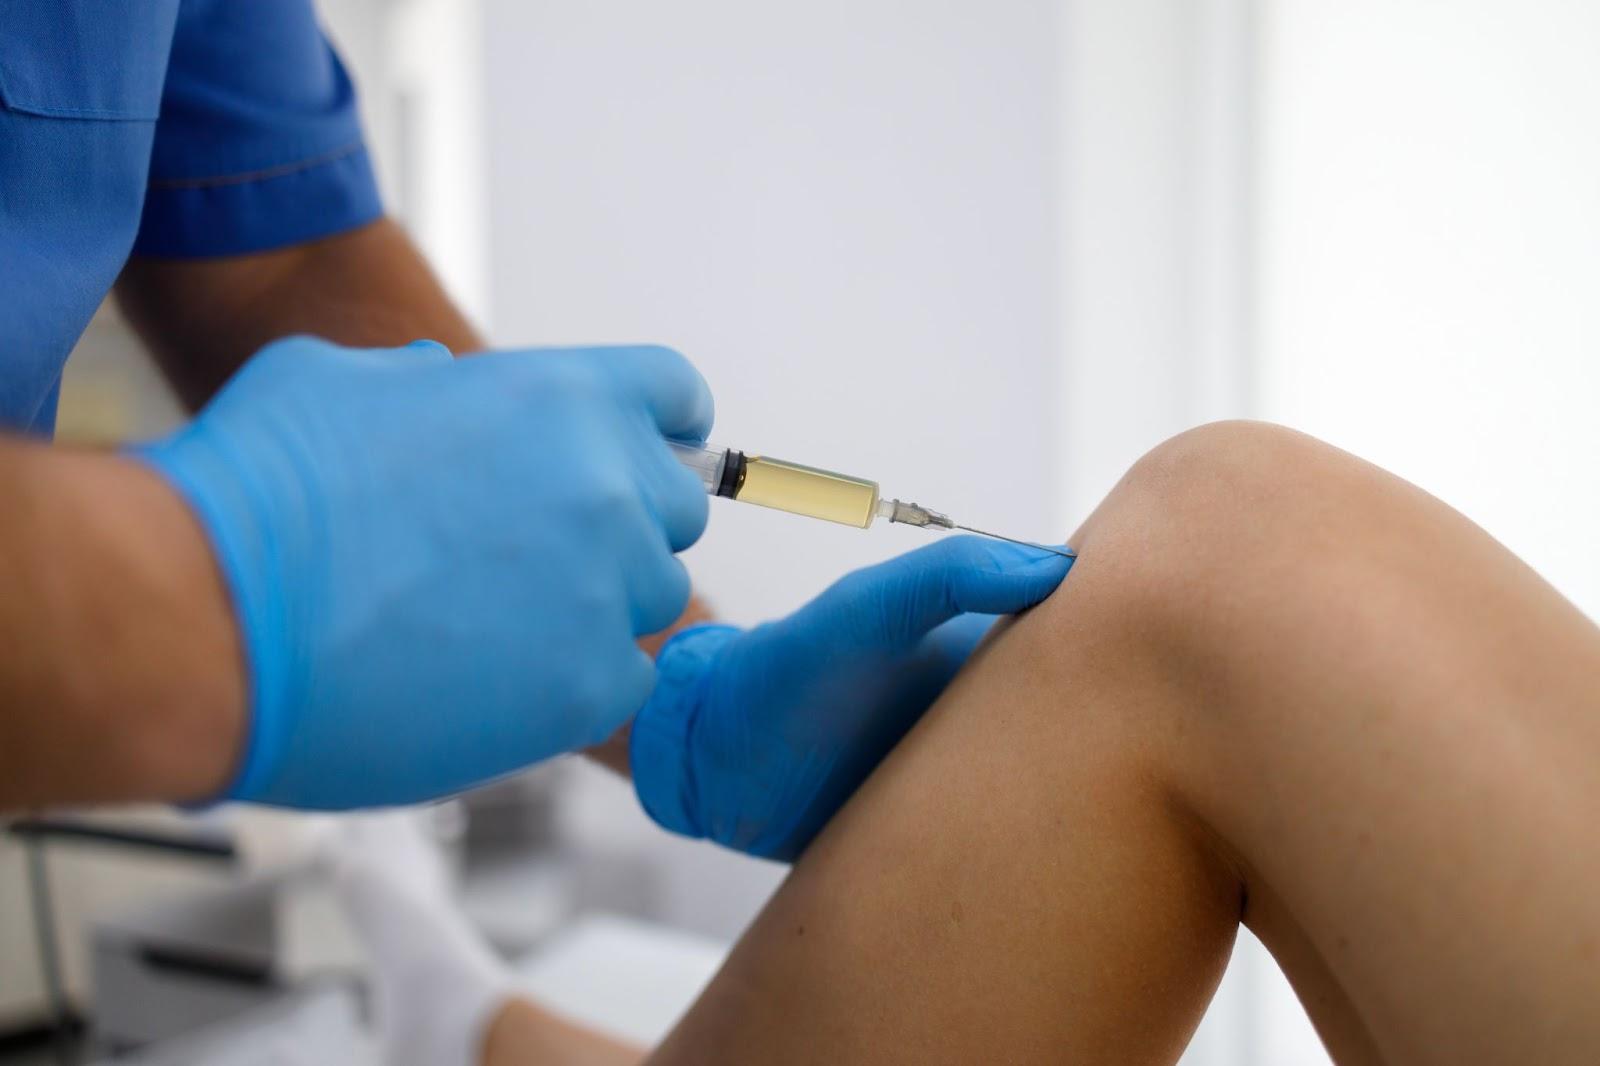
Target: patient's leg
pixel 1278 684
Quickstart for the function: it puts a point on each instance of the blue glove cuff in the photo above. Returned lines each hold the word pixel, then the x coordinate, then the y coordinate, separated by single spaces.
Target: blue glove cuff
pixel 658 750
pixel 199 475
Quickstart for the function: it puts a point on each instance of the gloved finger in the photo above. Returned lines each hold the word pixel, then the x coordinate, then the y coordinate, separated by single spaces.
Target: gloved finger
pixel 421 352
pixel 605 699
pixel 669 386
pixel 634 680
pixel 940 654
pixel 675 495
pixel 654 581
pixel 658 596
pixel 897 602
pixel 426 350
pixel 958 638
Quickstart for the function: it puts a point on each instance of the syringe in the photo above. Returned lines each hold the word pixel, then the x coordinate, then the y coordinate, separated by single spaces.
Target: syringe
pixel 805 490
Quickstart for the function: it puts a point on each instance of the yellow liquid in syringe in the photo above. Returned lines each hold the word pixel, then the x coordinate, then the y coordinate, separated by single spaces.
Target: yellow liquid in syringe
pixel 808 491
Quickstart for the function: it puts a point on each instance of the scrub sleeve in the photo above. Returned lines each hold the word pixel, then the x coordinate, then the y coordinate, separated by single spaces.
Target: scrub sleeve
pixel 259 144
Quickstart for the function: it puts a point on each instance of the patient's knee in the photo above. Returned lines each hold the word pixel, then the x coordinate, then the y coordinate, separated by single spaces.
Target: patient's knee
pixel 1228 474
pixel 1218 513
pixel 1217 480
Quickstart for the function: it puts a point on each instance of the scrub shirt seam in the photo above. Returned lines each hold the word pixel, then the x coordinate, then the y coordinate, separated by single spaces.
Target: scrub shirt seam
pixel 264 174
pixel 105 114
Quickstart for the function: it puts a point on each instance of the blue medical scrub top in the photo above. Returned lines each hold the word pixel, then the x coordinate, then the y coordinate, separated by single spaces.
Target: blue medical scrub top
pixel 173 128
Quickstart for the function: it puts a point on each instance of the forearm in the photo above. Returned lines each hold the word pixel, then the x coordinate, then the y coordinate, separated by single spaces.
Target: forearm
pixel 202 318
pixel 121 676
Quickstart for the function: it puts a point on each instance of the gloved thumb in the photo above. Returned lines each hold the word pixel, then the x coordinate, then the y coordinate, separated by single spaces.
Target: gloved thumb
pixel 428 350
pixel 899 602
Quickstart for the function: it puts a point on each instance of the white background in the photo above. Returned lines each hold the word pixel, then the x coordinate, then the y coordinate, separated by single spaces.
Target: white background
pixel 1430 269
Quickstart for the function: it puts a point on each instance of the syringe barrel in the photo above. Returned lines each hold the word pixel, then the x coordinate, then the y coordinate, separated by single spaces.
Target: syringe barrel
pixel 708 461
pixel 824 494
pixel 779 484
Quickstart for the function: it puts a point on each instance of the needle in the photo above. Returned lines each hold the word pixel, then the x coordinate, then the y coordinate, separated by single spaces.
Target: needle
pixel 914 514
pixel 1068 554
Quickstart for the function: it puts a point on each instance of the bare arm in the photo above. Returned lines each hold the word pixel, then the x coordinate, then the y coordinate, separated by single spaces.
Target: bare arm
pixel 202 318
pixel 121 677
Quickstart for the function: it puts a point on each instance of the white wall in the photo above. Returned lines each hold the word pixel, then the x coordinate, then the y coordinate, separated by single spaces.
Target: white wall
pixel 839 210
pixel 1431 255
pixel 1155 150
pixel 842 212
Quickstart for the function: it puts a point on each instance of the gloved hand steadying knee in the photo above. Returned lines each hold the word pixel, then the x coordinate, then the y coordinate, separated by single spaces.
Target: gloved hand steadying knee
pixel 439 567
pixel 754 738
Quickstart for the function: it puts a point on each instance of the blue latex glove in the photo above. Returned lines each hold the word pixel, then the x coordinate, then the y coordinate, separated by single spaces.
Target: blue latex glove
pixel 439 567
pixel 755 738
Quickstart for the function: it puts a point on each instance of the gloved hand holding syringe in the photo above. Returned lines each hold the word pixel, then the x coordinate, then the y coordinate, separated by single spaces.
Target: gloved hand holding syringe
pixel 806 490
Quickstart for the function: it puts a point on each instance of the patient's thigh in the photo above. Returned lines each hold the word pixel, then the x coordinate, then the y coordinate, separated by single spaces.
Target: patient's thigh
pixel 1012 885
